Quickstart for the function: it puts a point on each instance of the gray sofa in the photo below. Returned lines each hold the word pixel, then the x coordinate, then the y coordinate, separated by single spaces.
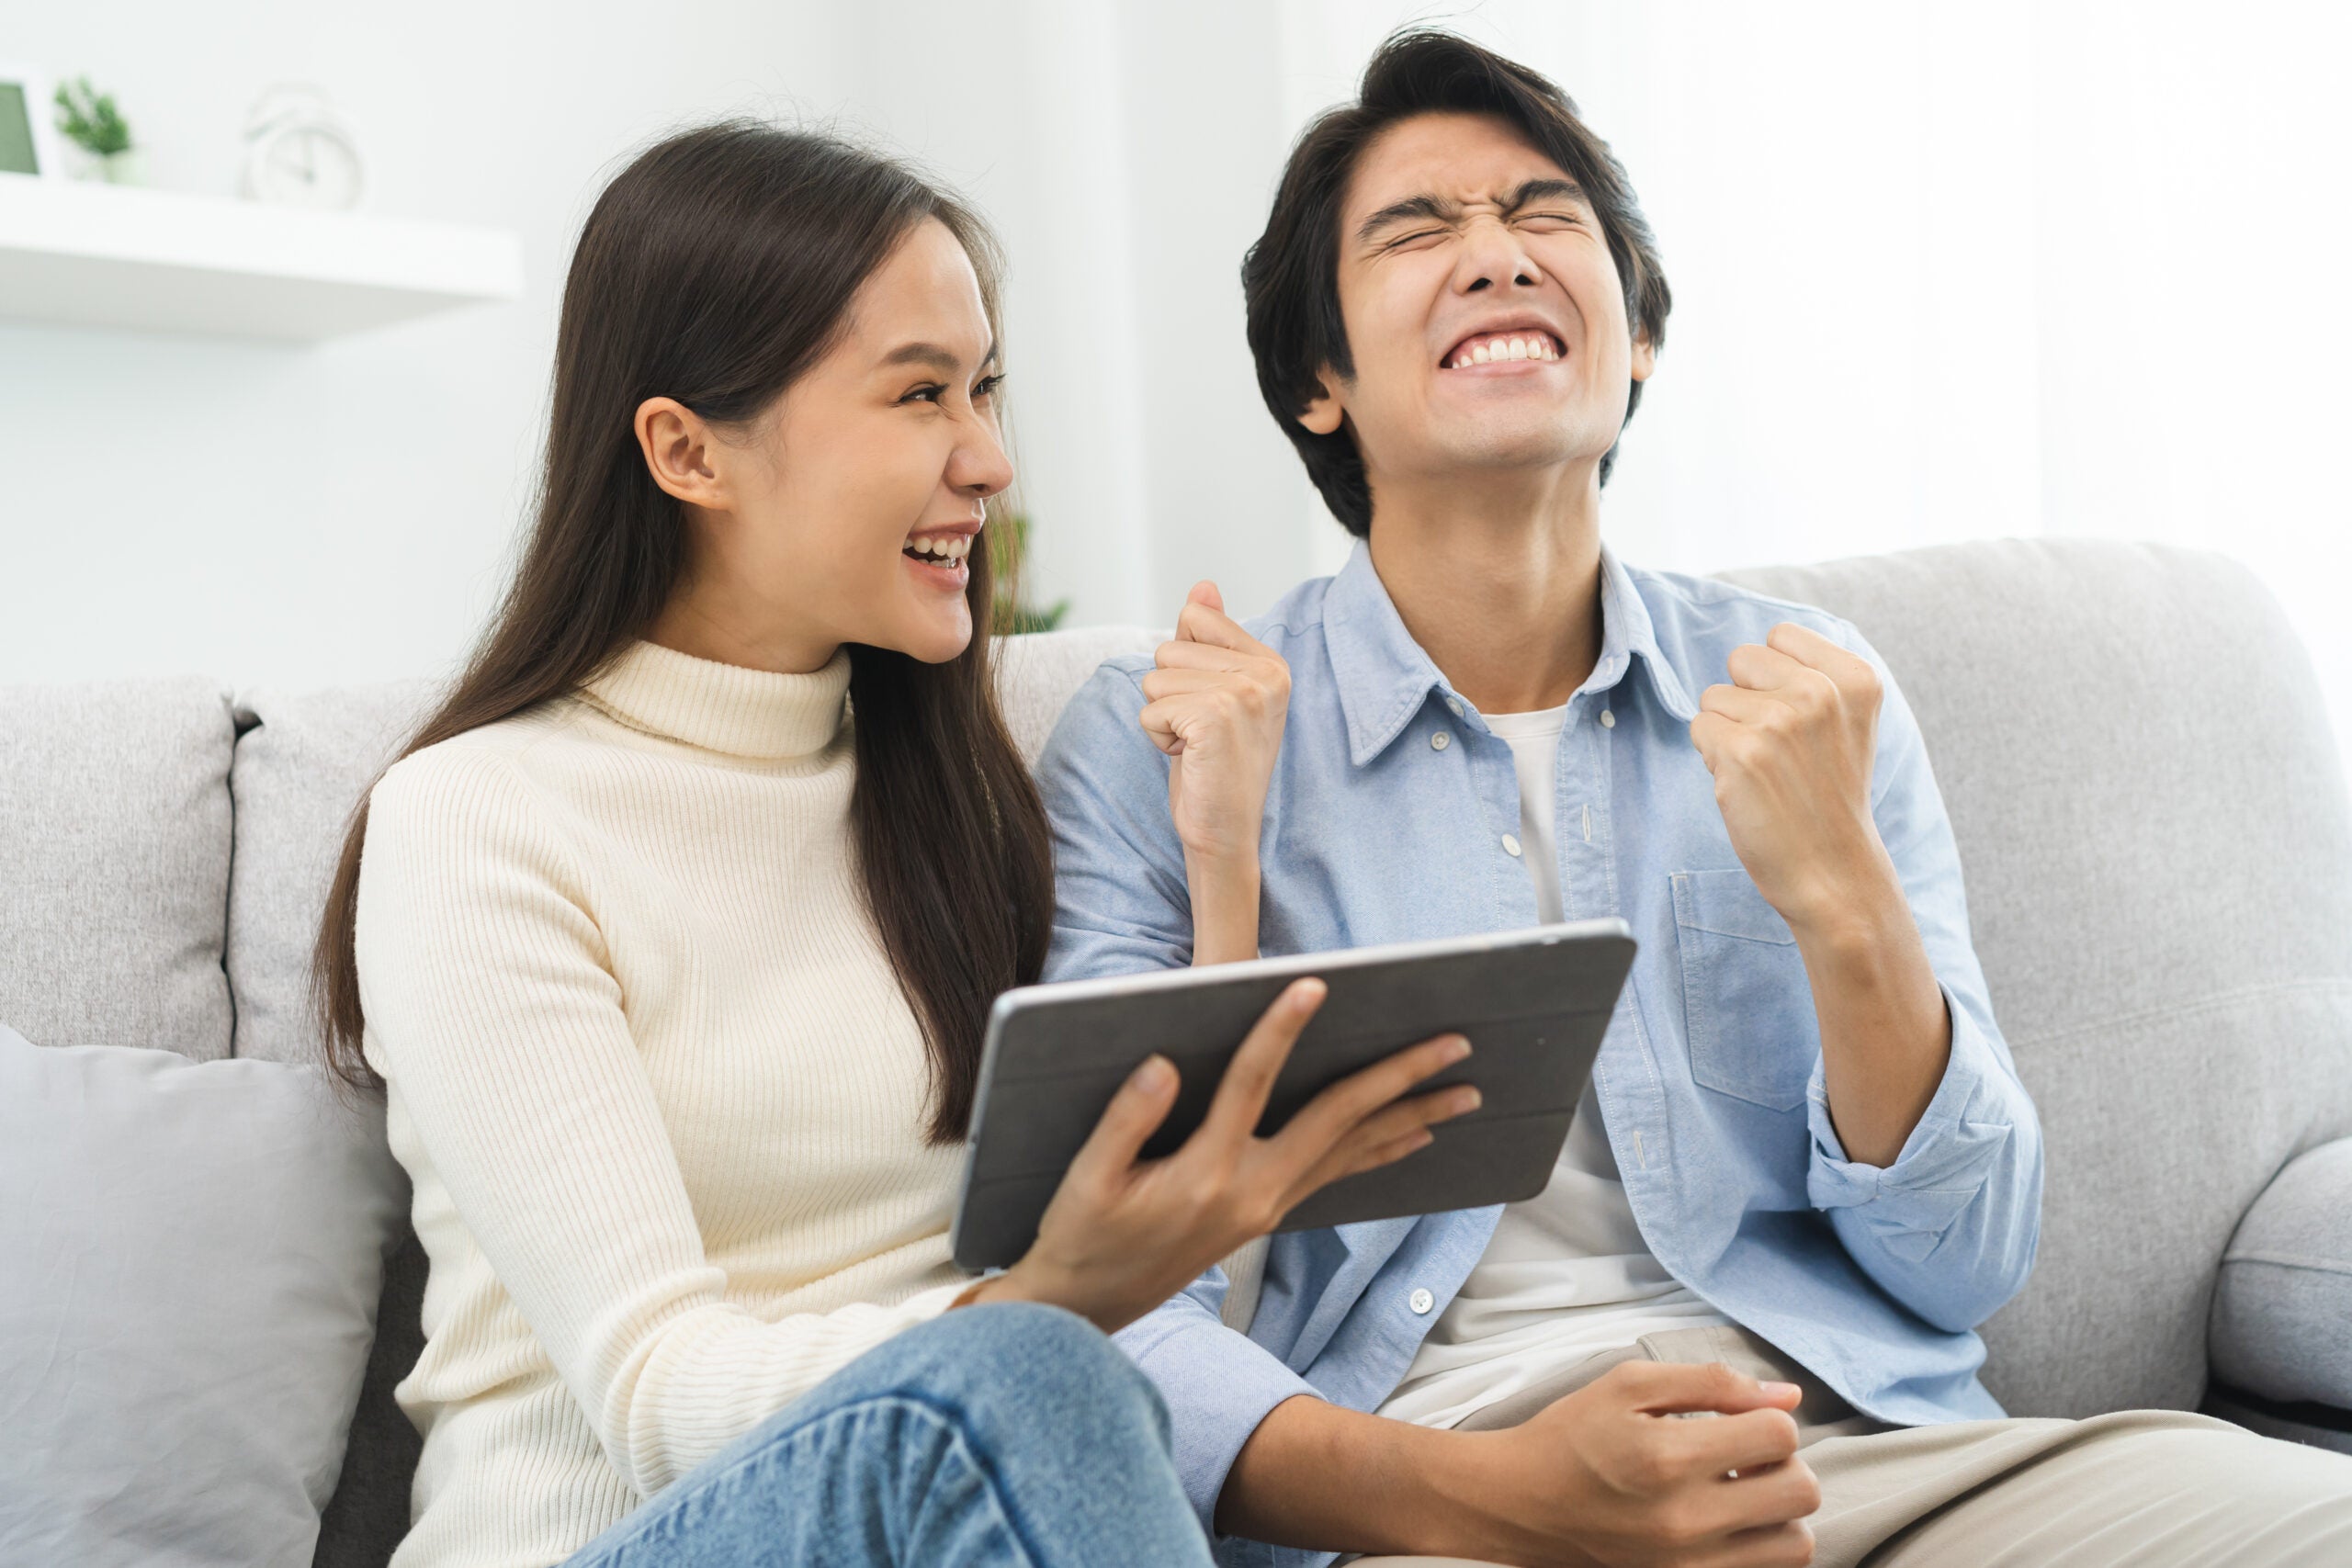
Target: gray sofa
pixel 2154 820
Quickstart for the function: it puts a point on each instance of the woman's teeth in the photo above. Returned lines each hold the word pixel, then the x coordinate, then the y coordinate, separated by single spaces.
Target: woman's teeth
pixel 1486 350
pixel 948 550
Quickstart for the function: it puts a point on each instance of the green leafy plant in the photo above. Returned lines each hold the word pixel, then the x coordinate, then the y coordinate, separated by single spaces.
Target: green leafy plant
pixel 1008 534
pixel 90 120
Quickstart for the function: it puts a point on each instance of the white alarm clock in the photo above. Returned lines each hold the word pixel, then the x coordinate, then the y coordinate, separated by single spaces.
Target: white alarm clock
pixel 298 152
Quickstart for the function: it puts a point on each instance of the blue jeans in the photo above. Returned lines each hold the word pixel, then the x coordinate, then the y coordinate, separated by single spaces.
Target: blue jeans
pixel 1012 1436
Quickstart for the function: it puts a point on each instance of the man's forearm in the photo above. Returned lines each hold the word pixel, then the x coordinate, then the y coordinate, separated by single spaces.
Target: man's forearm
pixel 1318 1475
pixel 1885 1036
pixel 1225 909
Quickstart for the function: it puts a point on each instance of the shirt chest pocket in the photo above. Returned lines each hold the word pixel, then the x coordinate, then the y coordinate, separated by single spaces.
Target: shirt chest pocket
pixel 1747 1007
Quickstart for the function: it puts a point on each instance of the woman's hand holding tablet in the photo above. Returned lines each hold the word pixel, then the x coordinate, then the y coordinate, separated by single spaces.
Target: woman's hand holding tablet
pixel 1122 1234
pixel 1538 1002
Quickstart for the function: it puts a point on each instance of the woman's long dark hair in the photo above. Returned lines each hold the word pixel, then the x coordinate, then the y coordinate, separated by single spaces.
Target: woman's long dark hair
pixel 715 270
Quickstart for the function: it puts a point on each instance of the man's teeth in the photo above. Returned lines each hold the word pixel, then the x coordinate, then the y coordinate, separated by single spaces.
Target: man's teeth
pixel 951 548
pixel 1486 350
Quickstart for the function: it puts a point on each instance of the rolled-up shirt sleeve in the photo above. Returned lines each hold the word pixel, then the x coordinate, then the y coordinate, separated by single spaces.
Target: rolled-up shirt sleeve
pixel 1951 1228
pixel 1218 1385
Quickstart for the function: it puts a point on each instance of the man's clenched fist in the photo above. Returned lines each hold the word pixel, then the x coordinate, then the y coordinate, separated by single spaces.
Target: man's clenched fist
pixel 1216 704
pixel 1790 742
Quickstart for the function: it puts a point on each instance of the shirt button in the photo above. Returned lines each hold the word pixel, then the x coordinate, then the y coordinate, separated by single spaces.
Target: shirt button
pixel 1608 719
pixel 1510 845
pixel 1441 741
pixel 1454 706
pixel 1420 1302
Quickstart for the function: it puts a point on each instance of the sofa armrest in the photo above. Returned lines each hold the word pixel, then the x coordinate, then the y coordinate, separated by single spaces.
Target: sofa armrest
pixel 2278 1328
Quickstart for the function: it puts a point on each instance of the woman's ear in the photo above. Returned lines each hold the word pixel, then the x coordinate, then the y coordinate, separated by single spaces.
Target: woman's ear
pixel 679 452
pixel 1323 415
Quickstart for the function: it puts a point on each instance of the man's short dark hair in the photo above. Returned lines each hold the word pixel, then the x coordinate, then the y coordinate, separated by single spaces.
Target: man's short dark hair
pixel 1290 278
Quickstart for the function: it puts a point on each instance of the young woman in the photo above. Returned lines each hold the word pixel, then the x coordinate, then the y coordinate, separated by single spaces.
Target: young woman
pixel 670 940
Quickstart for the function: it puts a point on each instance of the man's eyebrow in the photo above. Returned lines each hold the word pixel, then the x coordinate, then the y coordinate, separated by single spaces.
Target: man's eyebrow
pixel 932 356
pixel 1538 190
pixel 1407 210
pixel 1439 210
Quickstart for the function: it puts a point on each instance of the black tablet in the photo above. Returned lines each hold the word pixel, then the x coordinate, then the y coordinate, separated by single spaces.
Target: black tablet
pixel 1534 1004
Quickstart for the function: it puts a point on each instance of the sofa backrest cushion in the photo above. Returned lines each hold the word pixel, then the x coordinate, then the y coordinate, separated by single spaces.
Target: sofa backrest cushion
pixel 1038 675
pixel 2157 841
pixel 303 760
pixel 114 863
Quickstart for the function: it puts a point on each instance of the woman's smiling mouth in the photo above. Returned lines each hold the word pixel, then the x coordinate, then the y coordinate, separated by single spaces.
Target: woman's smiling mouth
pixel 940 559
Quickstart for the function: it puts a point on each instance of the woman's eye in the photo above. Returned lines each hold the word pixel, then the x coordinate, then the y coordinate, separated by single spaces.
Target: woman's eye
pixel 1567 217
pixel 928 393
pixel 986 387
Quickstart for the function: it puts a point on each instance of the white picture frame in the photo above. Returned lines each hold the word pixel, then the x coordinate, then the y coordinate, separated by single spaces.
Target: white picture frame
pixel 40 115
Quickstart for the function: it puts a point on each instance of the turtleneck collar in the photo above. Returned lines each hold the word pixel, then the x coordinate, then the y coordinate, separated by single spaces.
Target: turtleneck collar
pixel 724 707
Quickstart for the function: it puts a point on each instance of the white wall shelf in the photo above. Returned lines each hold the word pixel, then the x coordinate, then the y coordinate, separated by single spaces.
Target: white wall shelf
pixel 99 255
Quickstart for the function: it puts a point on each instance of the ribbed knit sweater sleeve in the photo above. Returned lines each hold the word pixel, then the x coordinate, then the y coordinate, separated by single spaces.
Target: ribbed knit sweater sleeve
pixel 494 1014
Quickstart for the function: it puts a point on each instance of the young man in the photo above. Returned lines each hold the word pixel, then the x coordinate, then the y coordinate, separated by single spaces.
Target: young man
pixel 1806 1169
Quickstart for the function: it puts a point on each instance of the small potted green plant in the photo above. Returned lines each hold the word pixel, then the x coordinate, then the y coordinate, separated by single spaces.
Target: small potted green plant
pixel 1009 535
pixel 89 120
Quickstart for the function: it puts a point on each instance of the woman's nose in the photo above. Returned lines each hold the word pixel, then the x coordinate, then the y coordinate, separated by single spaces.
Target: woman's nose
pixel 980 465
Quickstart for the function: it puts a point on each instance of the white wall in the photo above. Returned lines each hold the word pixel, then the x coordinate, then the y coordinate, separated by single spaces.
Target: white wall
pixel 1126 154
pixel 1941 272
pixel 1947 271
pixel 346 512
pixel 308 515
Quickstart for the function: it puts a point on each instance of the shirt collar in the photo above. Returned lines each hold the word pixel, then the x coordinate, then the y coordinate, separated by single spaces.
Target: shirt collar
pixel 1383 676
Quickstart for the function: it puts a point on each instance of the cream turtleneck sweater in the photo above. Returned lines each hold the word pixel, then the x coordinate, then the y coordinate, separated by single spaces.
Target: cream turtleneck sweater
pixel 661 1101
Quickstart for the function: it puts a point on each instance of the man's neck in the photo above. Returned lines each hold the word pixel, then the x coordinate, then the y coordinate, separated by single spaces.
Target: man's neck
pixel 1500 582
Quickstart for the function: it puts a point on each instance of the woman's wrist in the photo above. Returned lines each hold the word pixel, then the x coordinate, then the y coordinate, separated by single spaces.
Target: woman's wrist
pixel 1009 1285
pixel 1022 1283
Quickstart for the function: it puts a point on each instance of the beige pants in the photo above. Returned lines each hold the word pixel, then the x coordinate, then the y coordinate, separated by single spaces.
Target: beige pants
pixel 2141 1489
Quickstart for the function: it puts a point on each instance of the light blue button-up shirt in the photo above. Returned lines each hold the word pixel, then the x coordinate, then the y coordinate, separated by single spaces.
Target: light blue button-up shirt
pixel 1393 814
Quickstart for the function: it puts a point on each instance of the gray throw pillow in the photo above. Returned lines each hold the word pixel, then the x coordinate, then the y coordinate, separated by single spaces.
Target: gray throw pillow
pixel 2282 1312
pixel 190 1254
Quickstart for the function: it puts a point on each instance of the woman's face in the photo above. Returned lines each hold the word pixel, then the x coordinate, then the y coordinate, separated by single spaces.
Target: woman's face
pixel 845 511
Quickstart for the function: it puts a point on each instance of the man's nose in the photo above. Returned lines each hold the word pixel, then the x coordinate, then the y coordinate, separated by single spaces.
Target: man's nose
pixel 1493 255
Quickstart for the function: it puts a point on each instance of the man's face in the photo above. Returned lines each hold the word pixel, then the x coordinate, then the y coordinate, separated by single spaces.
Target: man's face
pixel 1484 312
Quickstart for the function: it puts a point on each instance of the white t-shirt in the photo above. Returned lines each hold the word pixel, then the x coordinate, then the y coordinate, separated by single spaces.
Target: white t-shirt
pixel 1567 1274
